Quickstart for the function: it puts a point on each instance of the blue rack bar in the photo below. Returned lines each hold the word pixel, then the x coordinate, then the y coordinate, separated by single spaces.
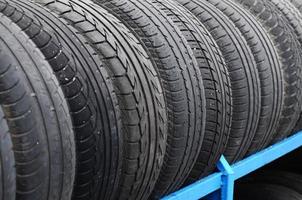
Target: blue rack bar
pixel 225 179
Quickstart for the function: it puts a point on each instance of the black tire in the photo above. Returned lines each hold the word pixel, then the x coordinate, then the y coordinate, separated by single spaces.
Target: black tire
pixel 291 14
pixel 282 178
pixel 37 116
pixel 265 192
pixel 138 89
pixel 152 23
pixel 294 18
pixel 217 89
pixel 89 94
pixel 298 126
pixel 288 49
pixel 298 5
pixel 7 160
pixel 243 73
pixel 269 68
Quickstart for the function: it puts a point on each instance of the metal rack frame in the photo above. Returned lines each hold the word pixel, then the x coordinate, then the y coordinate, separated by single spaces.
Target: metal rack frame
pixel 220 185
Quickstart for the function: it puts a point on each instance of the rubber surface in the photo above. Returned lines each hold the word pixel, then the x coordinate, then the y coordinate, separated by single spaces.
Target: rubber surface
pixel 265 192
pixel 217 88
pixel 288 49
pixel 298 126
pixel 88 91
pixel 216 81
pixel 269 68
pixel 297 4
pixel 294 18
pixel 291 14
pixel 137 87
pixel 153 23
pixel 183 22
pixel 243 72
pixel 217 92
pixel 7 160
pixel 37 116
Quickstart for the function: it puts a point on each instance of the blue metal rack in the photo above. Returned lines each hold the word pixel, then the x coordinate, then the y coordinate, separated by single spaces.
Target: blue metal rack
pixel 220 185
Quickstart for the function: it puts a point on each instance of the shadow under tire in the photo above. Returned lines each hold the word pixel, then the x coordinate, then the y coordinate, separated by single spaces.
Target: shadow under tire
pixel 265 192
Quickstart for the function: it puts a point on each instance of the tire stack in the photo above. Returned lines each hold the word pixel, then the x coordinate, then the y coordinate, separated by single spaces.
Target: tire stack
pixel 133 99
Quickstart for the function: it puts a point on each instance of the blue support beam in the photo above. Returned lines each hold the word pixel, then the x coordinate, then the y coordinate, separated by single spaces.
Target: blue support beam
pixel 198 189
pixel 225 179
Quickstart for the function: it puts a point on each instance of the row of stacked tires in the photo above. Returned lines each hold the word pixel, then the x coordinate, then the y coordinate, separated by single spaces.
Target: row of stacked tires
pixel 133 99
